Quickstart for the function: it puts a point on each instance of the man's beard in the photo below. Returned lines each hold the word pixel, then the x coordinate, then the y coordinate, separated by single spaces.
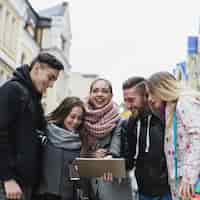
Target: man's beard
pixel 140 111
pixel 135 112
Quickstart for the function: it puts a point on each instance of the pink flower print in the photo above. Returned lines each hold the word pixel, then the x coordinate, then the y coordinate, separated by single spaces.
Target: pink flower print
pixel 188 146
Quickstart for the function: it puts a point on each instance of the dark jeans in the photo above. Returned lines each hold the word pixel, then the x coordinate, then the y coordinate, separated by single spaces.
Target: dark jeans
pixel 164 197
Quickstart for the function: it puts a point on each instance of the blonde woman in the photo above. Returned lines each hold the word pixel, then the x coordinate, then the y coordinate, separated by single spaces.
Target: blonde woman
pixel 180 106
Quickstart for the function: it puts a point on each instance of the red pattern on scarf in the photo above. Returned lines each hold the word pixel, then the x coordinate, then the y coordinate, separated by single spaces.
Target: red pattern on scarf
pixel 100 122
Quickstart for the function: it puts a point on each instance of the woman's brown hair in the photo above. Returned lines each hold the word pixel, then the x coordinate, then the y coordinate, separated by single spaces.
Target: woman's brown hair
pixel 63 110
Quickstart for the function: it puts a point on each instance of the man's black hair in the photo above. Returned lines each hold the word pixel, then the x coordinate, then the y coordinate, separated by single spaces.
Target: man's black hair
pixel 133 81
pixel 48 59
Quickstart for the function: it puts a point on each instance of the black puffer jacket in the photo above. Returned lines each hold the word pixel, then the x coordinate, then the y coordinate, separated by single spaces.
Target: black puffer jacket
pixel 21 116
pixel 146 153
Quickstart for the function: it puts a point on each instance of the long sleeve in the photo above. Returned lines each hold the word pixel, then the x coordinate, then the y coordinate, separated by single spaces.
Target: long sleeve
pixel 124 140
pixel 9 109
pixel 131 140
pixel 116 141
pixel 127 143
pixel 189 112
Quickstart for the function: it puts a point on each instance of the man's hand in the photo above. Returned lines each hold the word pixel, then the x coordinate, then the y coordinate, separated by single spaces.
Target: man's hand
pixel 12 190
pixel 186 190
pixel 108 177
pixel 102 153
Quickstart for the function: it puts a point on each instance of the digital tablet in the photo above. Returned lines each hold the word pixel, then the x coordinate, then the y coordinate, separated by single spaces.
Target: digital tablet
pixel 96 167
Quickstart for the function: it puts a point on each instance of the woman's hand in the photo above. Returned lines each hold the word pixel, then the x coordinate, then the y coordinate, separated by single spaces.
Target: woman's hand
pixel 186 190
pixel 108 157
pixel 100 153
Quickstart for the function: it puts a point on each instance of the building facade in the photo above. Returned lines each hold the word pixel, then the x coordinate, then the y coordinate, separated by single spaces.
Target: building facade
pixel 188 72
pixel 57 40
pixel 193 63
pixel 79 84
pixel 20 34
pixel 10 23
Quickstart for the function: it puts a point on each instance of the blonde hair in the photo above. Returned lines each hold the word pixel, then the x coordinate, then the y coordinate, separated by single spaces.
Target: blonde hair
pixel 164 86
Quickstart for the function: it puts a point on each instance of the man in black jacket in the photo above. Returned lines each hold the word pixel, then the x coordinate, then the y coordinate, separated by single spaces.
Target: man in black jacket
pixel 142 143
pixel 21 124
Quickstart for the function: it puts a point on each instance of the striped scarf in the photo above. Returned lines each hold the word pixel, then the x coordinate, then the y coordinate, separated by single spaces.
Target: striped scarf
pixel 100 123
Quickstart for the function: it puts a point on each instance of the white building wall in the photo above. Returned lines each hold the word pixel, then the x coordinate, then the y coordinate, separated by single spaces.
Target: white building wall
pixel 28 47
pixel 61 88
pixel 52 43
pixel 79 84
pixel 20 6
pixel 22 42
pixel 66 32
pixel 46 39
pixel 10 36
pixel 60 29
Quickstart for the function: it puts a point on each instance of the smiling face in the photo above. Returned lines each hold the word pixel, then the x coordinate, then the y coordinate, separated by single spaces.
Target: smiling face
pixel 134 99
pixel 100 94
pixel 74 118
pixel 154 102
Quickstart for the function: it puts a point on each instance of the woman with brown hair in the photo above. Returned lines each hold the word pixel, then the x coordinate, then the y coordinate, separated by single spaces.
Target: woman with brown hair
pixel 101 138
pixel 63 146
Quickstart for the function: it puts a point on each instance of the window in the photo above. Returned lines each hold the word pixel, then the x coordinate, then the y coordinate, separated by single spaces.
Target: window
pixel 30 27
pixel 8 77
pixel 1 17
pixel 13 34
pixel 63 43
pixel 23 57
pixel 1 11
pixel 7 29
pixel 1 77
pixel 179 75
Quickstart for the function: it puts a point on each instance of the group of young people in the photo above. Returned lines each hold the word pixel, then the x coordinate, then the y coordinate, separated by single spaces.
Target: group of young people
pixel 160 140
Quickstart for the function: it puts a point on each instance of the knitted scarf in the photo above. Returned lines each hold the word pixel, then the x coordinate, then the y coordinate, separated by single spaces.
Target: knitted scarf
pixel 63 138
pixel 100 122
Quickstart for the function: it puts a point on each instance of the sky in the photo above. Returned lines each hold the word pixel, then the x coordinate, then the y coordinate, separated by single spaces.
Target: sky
pixel 118 39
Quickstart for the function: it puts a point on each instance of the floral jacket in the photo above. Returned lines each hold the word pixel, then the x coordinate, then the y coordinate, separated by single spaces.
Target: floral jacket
pixel 188 140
